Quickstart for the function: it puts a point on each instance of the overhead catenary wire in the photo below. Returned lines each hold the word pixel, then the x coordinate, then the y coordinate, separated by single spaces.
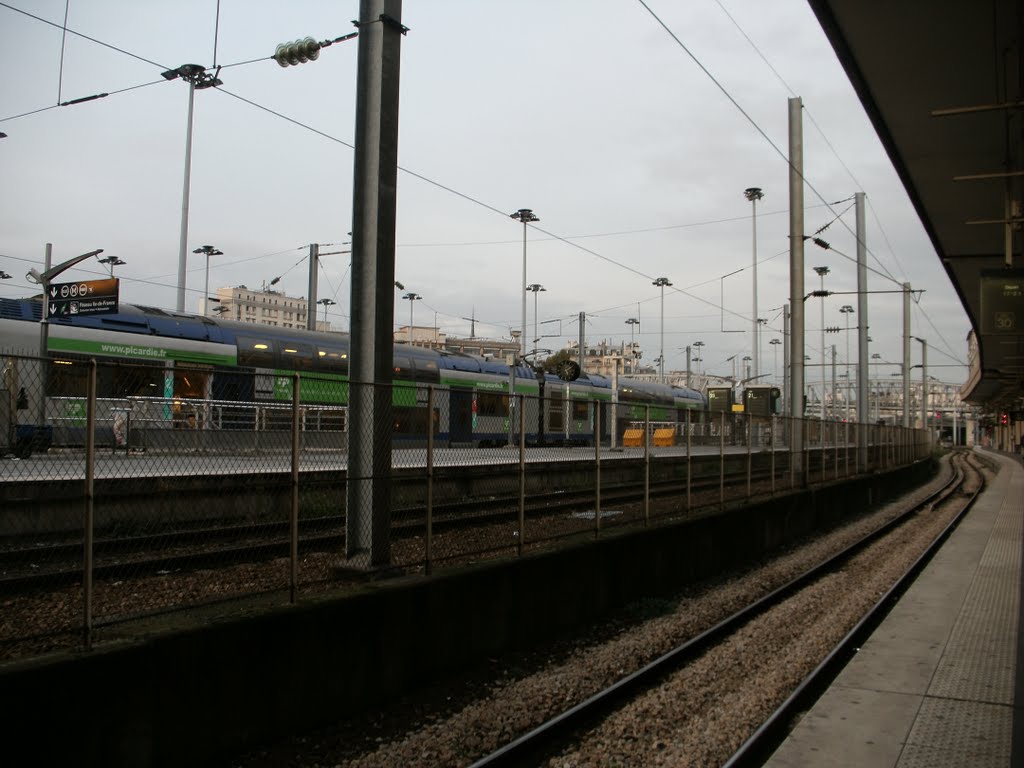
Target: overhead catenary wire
pixel 742 111
pixel 503 213
pixel 470 198
pixel 68 30
pixel 820 131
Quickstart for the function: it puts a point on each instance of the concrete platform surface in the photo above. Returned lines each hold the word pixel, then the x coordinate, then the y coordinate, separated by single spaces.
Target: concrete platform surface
pixel 935 684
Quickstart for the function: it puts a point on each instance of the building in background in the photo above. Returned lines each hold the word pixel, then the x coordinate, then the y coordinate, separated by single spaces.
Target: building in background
pixel 264 306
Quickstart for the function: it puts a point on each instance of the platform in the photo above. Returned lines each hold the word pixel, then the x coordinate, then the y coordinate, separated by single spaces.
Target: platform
pixel 938 683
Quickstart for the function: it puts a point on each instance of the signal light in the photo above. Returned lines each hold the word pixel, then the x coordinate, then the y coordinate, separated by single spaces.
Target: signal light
pixel 297 52
pixel 1004 419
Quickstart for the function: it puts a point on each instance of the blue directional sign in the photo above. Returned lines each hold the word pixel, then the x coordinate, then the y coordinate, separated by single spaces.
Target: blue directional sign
pixel 87 297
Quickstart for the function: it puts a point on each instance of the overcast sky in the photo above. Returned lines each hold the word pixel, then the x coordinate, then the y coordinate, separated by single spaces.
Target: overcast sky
pixel 589 113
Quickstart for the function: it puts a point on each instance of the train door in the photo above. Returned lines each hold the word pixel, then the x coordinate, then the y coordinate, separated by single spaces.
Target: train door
pixel 191 398
pixel 460 416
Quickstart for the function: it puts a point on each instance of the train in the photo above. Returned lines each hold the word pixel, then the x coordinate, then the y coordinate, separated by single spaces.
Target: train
pixel 168 370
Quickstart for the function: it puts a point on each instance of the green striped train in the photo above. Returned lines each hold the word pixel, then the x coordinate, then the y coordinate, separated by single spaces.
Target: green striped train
pixel 179 371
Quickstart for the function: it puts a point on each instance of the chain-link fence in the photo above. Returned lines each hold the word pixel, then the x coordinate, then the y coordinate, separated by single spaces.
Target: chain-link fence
pixel 131 490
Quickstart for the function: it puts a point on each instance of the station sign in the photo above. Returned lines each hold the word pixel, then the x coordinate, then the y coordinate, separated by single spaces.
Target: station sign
pixel 86 297
pixel 720 399
pixel 1002 302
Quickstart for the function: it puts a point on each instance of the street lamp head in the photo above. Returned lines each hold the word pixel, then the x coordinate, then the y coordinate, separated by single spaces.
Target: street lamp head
pixel 113 261
pixel 412 296
pixel 661 282
pixel 209 250
pixel 773 342
pixel 632 321
pixel 753 193
pixel 698 343
pixel 195 74
pixel 525 215
pixel 822 271
pixel 535 287
pixel 4 275
pixel 846 309
pixel 33 276
pixel 327 302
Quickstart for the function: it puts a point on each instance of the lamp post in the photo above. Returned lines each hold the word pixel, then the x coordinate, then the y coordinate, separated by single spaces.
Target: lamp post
pixel 698 357
pixel 847 310
pixel 775 357
pixel 526 216
pixel 753 194
pixel 632 323
pixel 661 282
pixel 878 409
pixel 747 359
pixel 197 78
pixel 43 279
pixel 822 271
pixel 535 288
pixel 412 298
pixel 209 251
pixel 326 303
pixel 112 261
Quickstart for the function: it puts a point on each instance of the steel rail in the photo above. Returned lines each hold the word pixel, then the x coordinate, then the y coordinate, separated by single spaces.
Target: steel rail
pixel 756 749
pixel 538 742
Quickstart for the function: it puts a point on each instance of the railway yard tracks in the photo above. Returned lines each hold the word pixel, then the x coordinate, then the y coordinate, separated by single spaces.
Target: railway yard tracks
pixel 137 575
pixel 42 562
pixel 713 678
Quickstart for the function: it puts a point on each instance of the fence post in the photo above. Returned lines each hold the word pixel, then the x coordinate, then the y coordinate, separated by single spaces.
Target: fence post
pixel 90 476
pixel 835 448
pixel 689 452
pixel 293 517
pixel 790 420
pixel 428 553
pixel 721 462
pixel 522 475
pixel 647 465
pixel 806 479
pixel 597 467
pixel 846 443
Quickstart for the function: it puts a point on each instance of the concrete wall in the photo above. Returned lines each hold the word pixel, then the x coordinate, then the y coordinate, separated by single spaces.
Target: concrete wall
pixel 201 690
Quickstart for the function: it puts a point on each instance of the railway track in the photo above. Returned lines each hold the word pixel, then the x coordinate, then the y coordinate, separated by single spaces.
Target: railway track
pixel 50 564
pixel 576 725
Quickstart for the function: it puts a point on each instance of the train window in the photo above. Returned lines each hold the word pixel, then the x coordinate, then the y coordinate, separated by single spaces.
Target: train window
pixel 491 404
pixel 190 383
pixel 556 415
pixel 296 356
pixel 254 352
pixel 403 367
pixel 67 378
pixel 413 421
pixel 121 380
pixel 332 359
pixel 426 371
pixel 580 409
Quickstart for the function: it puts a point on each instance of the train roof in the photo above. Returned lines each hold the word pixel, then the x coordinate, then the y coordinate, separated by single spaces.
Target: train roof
pixel 153 321
pixel 657 389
